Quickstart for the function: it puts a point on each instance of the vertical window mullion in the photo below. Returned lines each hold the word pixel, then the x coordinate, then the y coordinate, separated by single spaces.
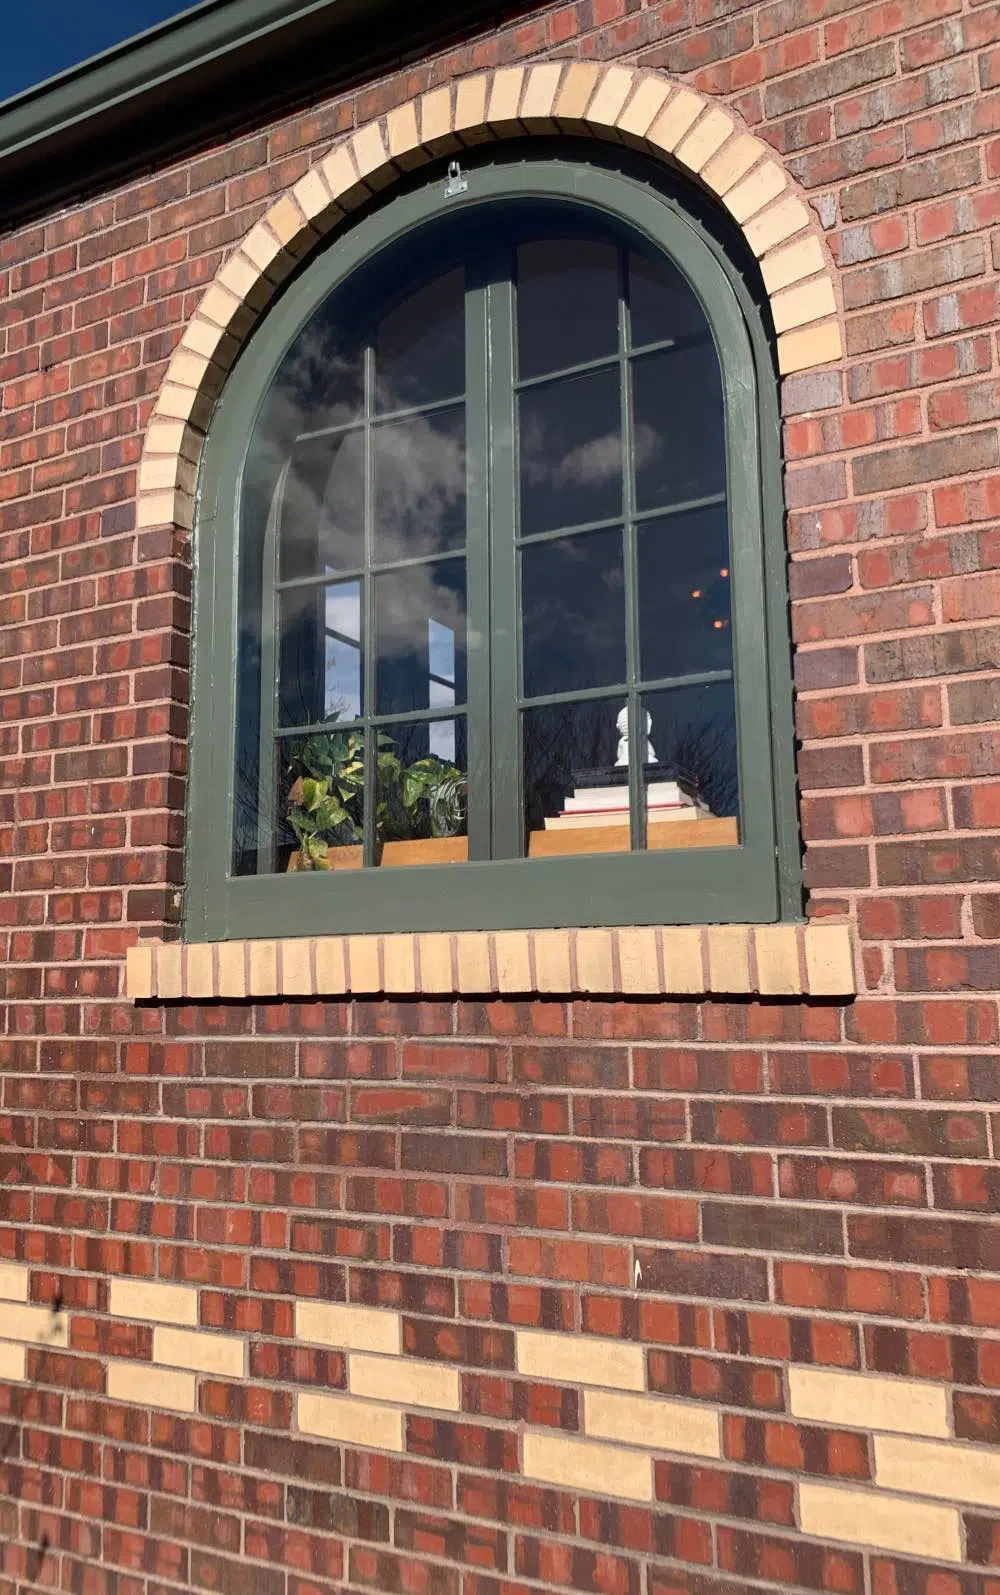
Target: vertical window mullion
pixel 479 644
pixel 508 830
pixel 368 638
pixel 267 794
pixel 636 716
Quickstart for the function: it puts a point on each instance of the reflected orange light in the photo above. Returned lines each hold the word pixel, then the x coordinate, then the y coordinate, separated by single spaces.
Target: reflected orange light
pixel 725 571
pixel 696 592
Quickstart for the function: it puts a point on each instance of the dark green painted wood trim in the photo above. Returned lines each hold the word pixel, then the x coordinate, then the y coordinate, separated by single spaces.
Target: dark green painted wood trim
pixel 757 882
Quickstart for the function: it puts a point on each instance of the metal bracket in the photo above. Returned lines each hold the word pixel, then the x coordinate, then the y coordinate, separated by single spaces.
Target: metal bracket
pixel 456 183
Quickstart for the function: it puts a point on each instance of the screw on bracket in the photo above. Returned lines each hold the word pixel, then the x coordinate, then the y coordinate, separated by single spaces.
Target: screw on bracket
pixel 456 183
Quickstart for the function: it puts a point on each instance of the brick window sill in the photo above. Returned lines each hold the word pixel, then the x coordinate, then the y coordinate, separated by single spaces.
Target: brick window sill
pixel 813 960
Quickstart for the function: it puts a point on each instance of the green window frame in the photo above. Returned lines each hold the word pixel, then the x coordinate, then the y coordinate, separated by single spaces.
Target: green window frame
pixel 757 881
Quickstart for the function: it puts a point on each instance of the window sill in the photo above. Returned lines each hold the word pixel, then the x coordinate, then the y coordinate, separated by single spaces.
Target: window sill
pixel 813 960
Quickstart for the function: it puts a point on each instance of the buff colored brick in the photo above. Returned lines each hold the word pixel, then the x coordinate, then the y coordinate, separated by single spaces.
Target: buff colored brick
pixel 341 177
pixel 13 1363
pixel 398 964
pixel 169 972
pixel 729 958
pixel 887 1522
pixel 733 161
pixel 262 246
pixel 764 183
pixel 829 960
pixel 595 964
pixel 313 198
pixel 708 135
pixel 204 338
pixel 157 509
pixel 171 437
pixel 232 969
pixel 784 266
pixel 239 275
pixel 263 969
pixel 540 95
pixel 809 301
pixel 14 1281
pixel 682 965
pixel 947 1472
pixel 363 963
pixel 513 955
pixel 435 963
pixel 681 111
pixel 470 108
pixel 436 132
pixel 581 1360
pixel 609 98
pixel 773 226
pixel 405 1381
pixel 160 473
pixel 778 960
pixel 403 135
pixel 587 1465
pixel 224 1355
pixel 865 1401
pixel 474 974
pixel 505 98
pixel 642 109
pixel 142 1384
pixel 179 402
pixel 638 960
pixel 151 1302
pixel 370 154
pixel 346 1328
pixel 552 961
pixel 331 965
pixel 575 91
pixel 139 973
pixel 296 968
pixel 812 346
pixel 199 980
pixel 350 1422
pixel 686 1426
pixel 217 303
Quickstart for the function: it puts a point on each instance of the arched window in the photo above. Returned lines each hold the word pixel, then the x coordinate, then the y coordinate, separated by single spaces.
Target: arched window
pixel 490 613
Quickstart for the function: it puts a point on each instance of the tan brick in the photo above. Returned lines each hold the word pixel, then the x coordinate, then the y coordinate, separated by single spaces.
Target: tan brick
pixel 199 980
pixel 829 960
pixel 363 964
pixel 729 958
pixel 292 228
pixel 370 153
pixel 552 961
pixel 706 137
pixel 296 967
pixel 168 437
pixel 143 1384
pixel 163 472
pixel 682 965
pixel 778 972
pixel 581 1360
pixel 793 262
pixel 436 974
pixel 505 97
pixel 886 1522
pixel 262 246
pixel 399 972
pixel 341 177
pixel 218 305
pixel 405 1381
pixel 139 973
pixel 350 1422
pixel 540 95
pixel 638 960
pixel 204 338
pixel 964 1473
pixel 159 509
pixel 241 277
pixel 232 969
pixel 14 1281
pixel 403 135
pixel 733 161
pixel 609 98
pixel 473 950
pixel 224 1355
pixel 575 92
pixel 263 969
pixel 595 962
pixel 643 108
pixel 686 1426
pixel 169 971
pixel 587 1465
pixel 680 113
pixel 866 1401
pixel 151 1302
pixel 750 195
pixel 470 108
pixel 812 346
pixel 314 200
pixel 436 132
pixel 776 224
pixel 348 1328
pixel 13 1363
pixel 809 301
pixel 513 956
pixel 331 965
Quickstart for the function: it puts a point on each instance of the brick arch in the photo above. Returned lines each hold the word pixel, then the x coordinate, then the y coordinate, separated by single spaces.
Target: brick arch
pixel 643 109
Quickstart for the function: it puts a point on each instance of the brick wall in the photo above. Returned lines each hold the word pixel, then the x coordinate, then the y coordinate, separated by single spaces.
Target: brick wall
pixel 809 1189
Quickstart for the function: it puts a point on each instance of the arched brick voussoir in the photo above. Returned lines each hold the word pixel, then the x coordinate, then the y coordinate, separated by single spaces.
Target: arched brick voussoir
pixel 640 108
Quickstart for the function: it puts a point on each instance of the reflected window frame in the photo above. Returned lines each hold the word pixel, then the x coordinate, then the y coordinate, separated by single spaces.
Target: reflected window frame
pixel 761 879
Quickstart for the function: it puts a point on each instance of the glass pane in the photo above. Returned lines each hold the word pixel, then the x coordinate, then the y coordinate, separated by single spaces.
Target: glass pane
pixel 419 485
pixel 420 346
pixel 570 452
pixel 684 593
pixel 420 634
pixel 692 732
pixel 321 801
pixel 321 382
pixel 567 304
pixel 679 426
pixel 319 670
pixel 575 795
pixel 323 507
pixel 573 608
pixel 662 303
pixel 422 795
